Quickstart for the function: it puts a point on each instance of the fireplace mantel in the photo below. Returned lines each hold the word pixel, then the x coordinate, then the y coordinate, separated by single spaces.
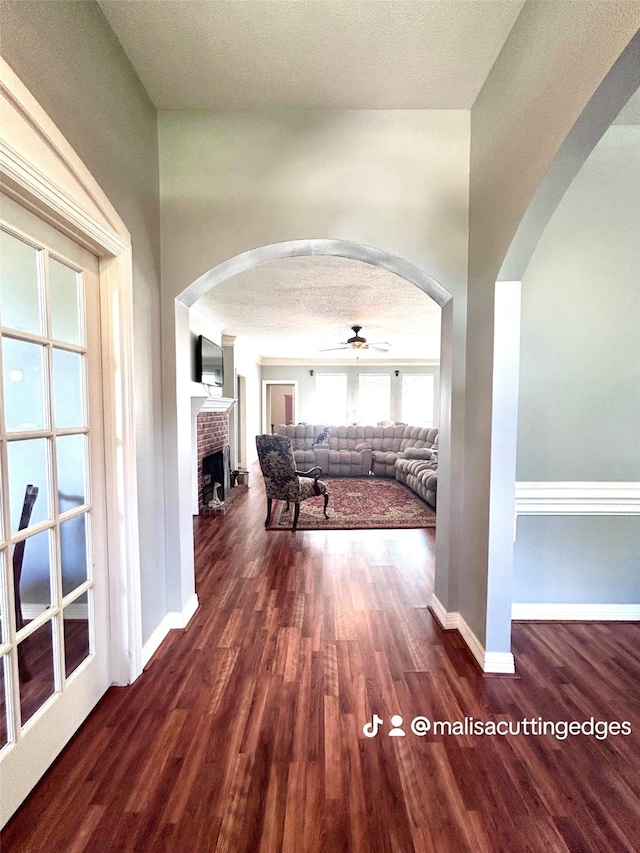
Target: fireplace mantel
pixel 217 404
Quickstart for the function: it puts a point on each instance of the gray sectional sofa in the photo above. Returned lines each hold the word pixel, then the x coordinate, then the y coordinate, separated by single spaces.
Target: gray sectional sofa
pixel 421 475
pixel 405 452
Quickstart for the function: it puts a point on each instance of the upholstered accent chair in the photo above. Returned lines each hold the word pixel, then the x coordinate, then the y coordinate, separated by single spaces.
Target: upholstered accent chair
pixel 282 481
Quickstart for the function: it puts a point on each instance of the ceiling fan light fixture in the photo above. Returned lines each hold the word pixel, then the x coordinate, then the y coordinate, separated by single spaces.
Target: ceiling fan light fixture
pixel 358 344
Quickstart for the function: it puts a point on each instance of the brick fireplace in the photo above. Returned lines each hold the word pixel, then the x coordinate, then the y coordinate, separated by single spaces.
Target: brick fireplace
pixel 212 435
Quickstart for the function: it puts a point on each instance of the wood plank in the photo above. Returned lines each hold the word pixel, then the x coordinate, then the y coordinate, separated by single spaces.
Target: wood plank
pixel 244 733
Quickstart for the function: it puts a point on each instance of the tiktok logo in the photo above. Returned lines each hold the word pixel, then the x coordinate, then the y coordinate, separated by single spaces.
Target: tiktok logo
pixel 371 729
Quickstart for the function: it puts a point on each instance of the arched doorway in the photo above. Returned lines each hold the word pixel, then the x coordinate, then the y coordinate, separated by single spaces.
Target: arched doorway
pixel 383 260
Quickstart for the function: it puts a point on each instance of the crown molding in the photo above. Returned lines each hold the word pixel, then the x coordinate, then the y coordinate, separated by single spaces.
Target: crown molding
pixel 342 362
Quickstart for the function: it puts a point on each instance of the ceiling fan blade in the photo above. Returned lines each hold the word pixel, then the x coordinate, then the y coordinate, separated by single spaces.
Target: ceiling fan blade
pixel 381 346
pixel 334 349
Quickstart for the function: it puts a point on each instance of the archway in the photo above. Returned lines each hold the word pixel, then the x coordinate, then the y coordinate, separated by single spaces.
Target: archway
pixel 303 248
pixel 616 88
pixel 374 257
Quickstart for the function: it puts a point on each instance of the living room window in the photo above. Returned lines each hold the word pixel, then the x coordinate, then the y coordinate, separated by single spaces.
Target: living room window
pixel 331 398
pixel 374 398
pixel 417 399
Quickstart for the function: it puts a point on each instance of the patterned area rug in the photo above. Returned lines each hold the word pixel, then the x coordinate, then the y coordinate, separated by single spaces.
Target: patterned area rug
pixel 357 503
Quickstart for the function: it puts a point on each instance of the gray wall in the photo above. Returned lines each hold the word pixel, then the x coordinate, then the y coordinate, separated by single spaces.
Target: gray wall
pixel 579 412
pixel 86 84
pixel 306 384
pixel 552 62
pixel 579 415
pixel 577 560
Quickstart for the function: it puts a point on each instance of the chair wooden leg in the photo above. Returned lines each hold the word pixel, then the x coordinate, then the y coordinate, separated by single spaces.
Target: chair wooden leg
pixel 296 513
pixel 326 501
pixel 269 505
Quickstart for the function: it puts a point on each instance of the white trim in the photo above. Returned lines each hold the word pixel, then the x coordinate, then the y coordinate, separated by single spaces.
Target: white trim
pixel 578 498
pixel 61 198
pixel 217 404
pixel 493 662
pixel 174 620
pixel 473 643
pixel 447 620
pixel 366 361
pixel 312 247
pixel 116 308
pixel 502 663
pixel 189 610
pixel 27 185
pixel 200 312
pixel 72 611
pixel 578 612
pixel 265 383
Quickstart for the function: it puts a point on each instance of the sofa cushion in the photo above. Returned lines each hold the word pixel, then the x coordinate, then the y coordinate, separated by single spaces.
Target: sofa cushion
pixel 421 476
pixel 417 453
pixel 346 437
pixel 302 436
pixel 378 447
pixel 388 442
pixel 419 437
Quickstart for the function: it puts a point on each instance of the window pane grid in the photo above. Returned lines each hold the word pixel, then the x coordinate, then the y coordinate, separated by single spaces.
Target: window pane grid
pixel 41 339
pixel 47 324
pixel 21 297
pixel 4 602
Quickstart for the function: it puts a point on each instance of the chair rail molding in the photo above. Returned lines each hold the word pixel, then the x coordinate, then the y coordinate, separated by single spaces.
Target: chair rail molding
pixel 577 498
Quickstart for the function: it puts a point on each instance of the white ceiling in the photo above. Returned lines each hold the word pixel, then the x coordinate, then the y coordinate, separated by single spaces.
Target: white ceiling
pixel 295 308
pixel 326 54
pixel 320 54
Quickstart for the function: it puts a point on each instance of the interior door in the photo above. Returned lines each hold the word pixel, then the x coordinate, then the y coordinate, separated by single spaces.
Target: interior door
pixel 53 597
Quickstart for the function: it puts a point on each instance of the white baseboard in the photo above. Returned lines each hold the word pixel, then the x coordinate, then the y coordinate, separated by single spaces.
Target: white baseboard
pixel 578 612
pixel 448 621
pixel 174 620
pixel 188 611
pixel 499 662
pixel 494 662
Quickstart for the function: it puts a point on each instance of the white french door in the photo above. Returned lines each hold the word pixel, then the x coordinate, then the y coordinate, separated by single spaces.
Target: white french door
pixel 53 594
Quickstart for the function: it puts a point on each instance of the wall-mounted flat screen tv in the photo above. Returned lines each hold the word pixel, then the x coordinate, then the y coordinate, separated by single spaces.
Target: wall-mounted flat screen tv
pixel 209 363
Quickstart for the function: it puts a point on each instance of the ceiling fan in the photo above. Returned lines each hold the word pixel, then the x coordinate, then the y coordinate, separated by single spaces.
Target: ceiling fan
pixel 358 343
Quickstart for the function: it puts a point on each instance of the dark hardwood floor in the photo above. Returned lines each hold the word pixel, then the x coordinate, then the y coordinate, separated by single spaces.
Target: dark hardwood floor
pixel 244 734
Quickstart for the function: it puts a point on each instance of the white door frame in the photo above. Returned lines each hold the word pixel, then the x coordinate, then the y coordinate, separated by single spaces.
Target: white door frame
pixel 266 427
pixel 241 409
pixel 41 171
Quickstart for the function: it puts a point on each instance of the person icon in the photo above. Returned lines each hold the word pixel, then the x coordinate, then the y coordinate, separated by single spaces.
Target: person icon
pixel 396 722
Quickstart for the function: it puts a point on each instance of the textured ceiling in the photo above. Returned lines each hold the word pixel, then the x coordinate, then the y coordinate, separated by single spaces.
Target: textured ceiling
pixel 326 54
pixel 339 54
pixel 296 307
